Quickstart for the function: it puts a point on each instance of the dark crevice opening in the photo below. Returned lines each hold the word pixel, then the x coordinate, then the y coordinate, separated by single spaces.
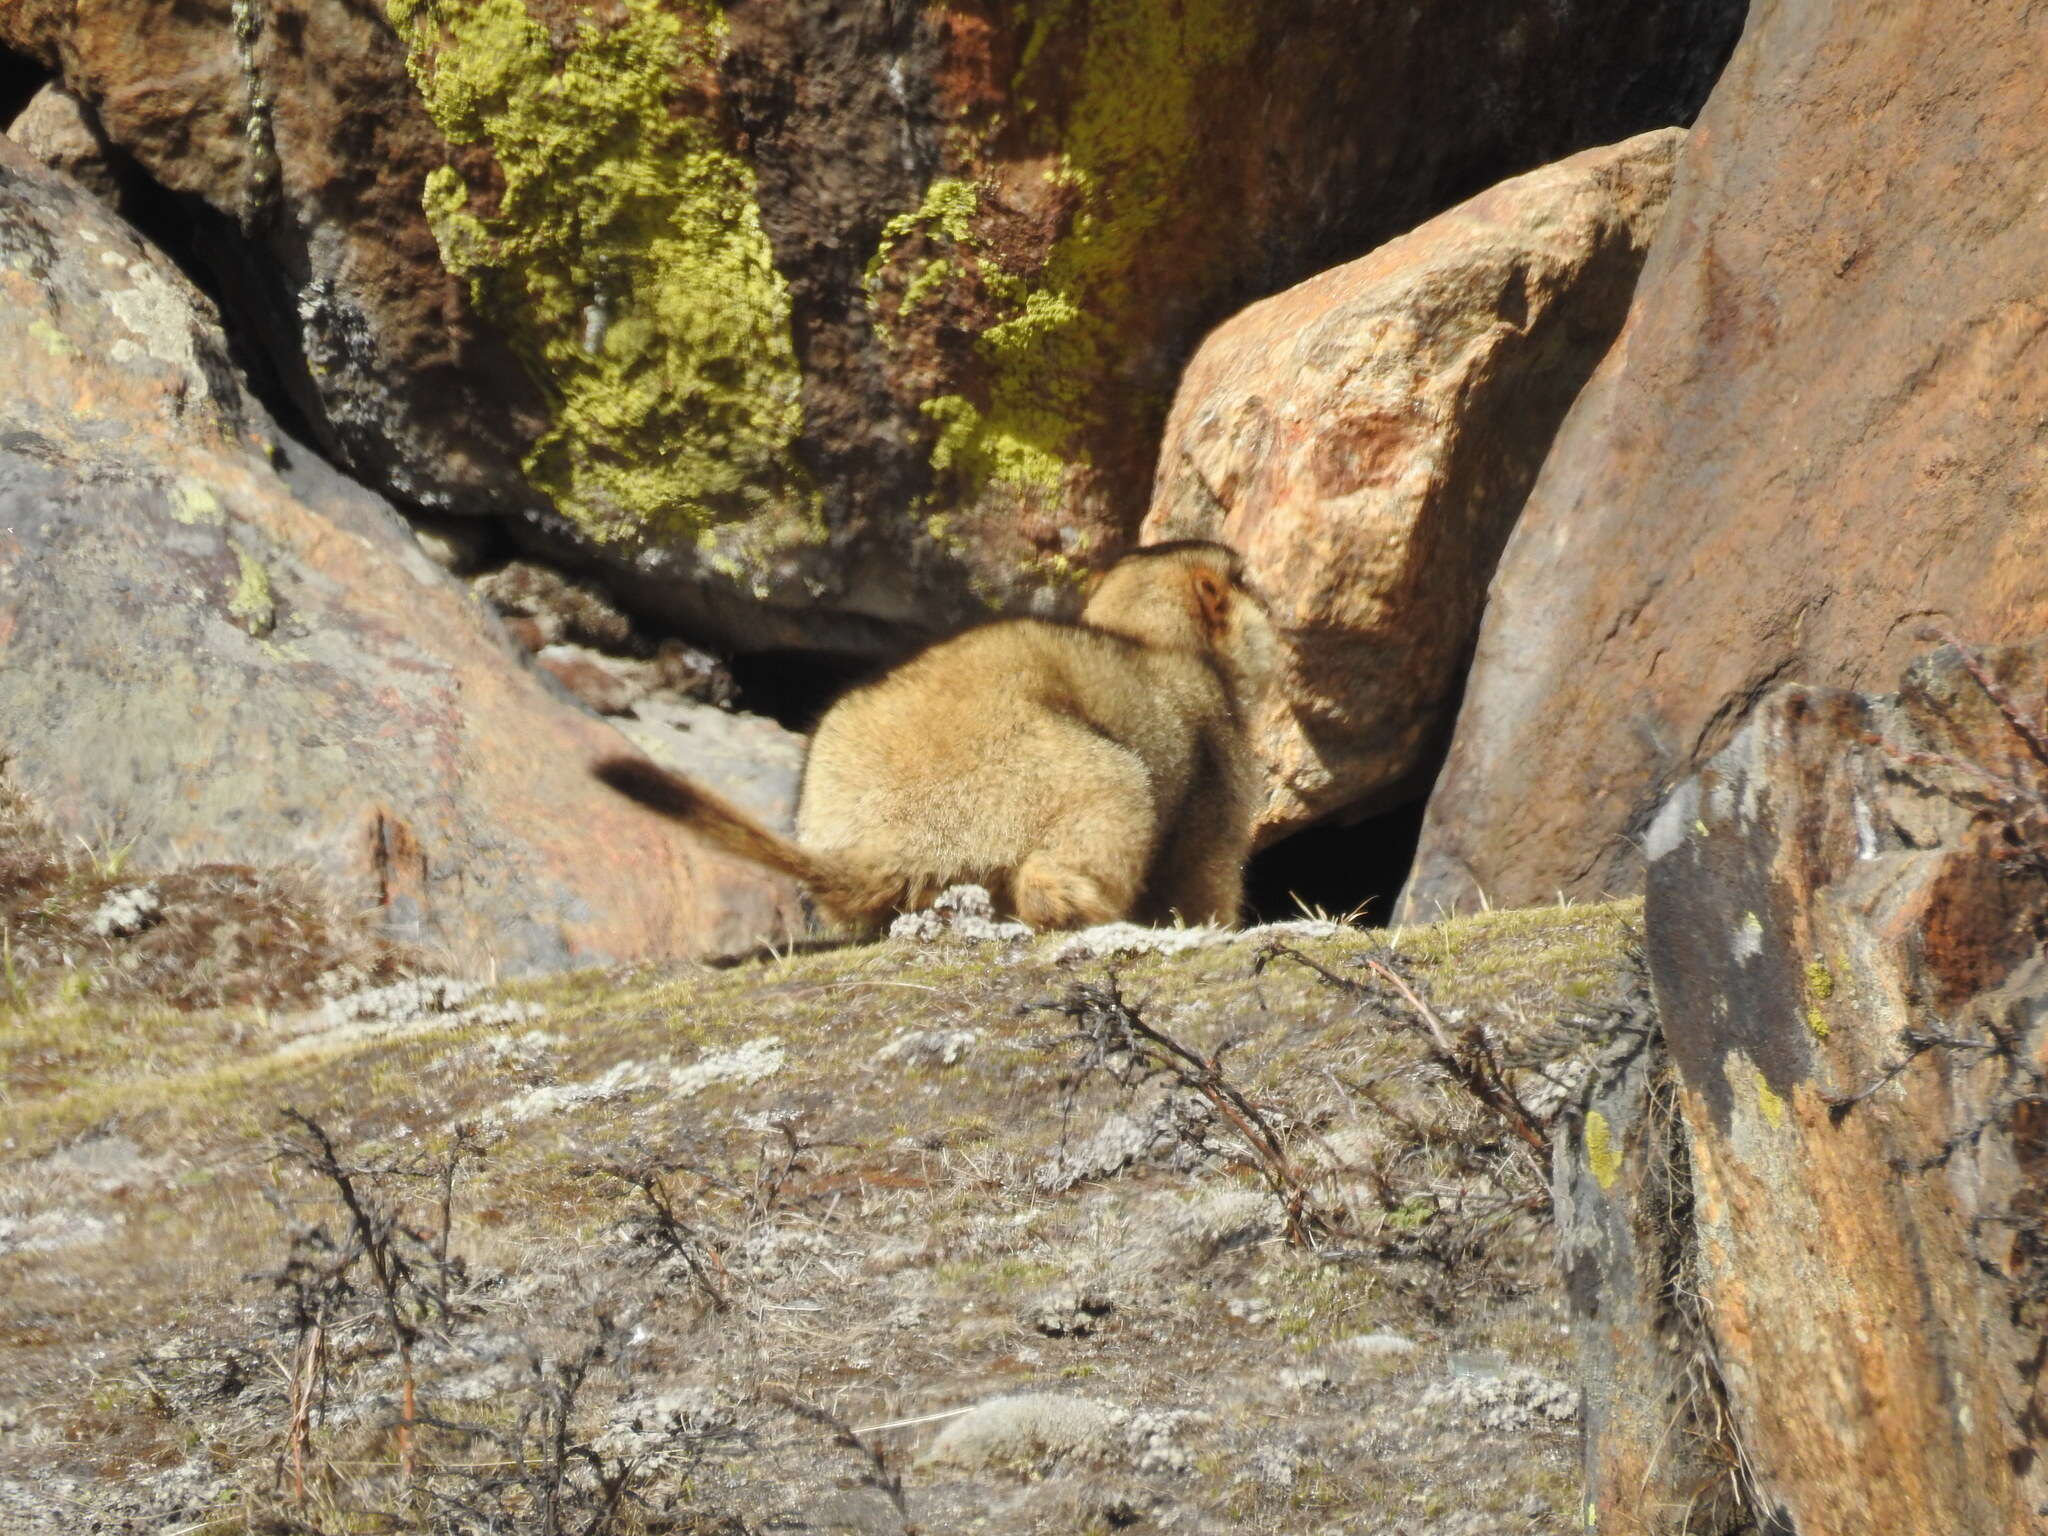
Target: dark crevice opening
pixel 1337 870
pixel 793 688
pixel 236 272
pixel 233 269
pixel 20 78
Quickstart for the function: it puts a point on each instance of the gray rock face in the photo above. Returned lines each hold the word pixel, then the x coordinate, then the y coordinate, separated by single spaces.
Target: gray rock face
pixel 218 660
pixel 65 134
pixel 1657 1457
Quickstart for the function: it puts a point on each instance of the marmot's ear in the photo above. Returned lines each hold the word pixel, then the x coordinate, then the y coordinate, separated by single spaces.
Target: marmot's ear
pixel 1209 598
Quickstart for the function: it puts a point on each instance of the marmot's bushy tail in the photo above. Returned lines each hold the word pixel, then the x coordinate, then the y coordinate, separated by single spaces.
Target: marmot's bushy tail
pixel 838 889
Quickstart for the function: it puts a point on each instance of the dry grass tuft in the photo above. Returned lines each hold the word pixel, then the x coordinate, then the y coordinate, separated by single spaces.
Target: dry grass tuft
pixel 211 936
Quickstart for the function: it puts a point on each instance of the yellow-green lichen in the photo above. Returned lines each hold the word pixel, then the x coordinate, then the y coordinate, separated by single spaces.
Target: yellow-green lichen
pixel 50 339
pixel 947 213
pixel 931 280
pixel 1769 1103
pixel 1820 986
pixel 1127 147
pixel 983 453
pixel 620 249
pixel 1603 1157
pixel 252 604
pixel 196 506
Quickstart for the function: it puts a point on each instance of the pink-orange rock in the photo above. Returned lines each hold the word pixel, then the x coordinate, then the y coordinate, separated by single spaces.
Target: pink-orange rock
pixel 215 648
pixel 1820 427
pixel 1367 437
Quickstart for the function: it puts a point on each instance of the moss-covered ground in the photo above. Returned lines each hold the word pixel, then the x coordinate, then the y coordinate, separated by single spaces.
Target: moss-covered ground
pixel 794 1216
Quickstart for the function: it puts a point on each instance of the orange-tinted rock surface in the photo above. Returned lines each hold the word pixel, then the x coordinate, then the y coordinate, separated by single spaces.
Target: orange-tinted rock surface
pixel 1820 426
pixel 1844 927
pixel 1367 438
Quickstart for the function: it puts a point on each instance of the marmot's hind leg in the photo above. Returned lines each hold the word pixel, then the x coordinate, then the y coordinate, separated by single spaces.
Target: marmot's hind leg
pixel 1092 855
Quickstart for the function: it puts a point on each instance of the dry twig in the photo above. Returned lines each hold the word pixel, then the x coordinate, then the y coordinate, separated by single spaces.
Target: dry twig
pixel 1115 1037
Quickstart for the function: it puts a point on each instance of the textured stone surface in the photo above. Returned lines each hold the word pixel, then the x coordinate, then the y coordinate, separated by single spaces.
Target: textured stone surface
pixel 1367 437
pixel 820 322
pixel 219 661
pixel 293 131
pixel 62 132
pixel 1844 923
pixel 1821 425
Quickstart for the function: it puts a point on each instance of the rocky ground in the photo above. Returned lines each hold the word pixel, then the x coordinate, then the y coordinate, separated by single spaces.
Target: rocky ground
pixel 924 1235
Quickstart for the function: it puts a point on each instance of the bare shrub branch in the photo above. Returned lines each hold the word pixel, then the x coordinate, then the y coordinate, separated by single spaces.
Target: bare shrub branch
pixel 1115 1038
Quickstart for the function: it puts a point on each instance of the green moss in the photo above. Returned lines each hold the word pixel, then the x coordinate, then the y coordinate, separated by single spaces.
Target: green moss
pixel 1127 149
pixel 252 604
pixel 621 252
pixel 1603 1157
pixel 1413 1214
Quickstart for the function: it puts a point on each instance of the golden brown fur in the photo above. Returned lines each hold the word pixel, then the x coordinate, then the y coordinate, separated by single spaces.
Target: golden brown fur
pixel 1081 772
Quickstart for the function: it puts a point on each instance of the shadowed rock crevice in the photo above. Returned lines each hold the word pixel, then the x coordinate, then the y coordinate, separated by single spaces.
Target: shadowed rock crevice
pixel 1335 869
pixel 20 78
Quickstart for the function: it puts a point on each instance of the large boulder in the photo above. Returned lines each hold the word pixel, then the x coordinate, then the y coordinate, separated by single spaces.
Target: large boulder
pixel 810 323
pixel 1844 922
pixel 1820 425
pixel 1367 438
pixel 216 649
